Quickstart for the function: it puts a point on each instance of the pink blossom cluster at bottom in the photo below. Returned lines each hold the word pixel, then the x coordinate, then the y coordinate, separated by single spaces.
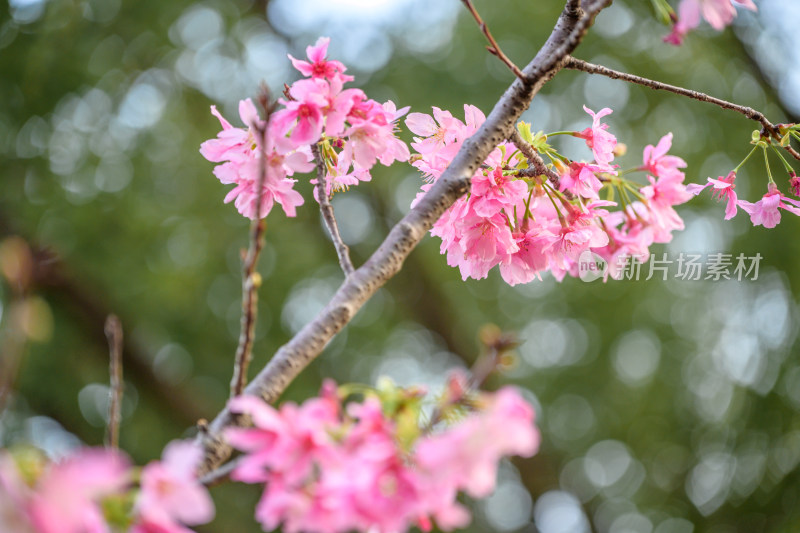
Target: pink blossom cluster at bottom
pixel 75 494
pixel 330 468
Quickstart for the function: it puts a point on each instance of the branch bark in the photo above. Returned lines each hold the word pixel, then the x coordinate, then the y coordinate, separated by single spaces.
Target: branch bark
pixel 113 332
pixel 769 129
pixel 326 209
pixel 387 260
pixel 86 305
pixel 494 48
pixel 251 280
pixel 534 159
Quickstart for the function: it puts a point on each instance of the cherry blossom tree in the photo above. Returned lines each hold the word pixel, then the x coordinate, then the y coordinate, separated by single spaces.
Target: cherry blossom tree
pixel 497 193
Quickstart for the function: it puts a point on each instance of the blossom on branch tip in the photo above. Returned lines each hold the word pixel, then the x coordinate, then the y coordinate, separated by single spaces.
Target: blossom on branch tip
pixel 794 183
pixel 765 212
pixel 581 180
pixel 661 165
pixel 170 493
pixel 303 114
pixel 319 66
pixel 517 220
pixel 239 151
pixel 723 188
pixel 718 13
pixel 65 496
pixel 598 139
pixel 329 467
pixel 316 110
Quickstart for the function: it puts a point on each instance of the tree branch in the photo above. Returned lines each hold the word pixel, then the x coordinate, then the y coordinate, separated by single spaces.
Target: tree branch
pixel 85 304
pixel 496 344
pixel 113 330
pixel 219 475
pixel 494 49
pixel 387 260
pixel 535 160
pixel 14 250
pixel 251 280
pixel 326 209
pixel 768 127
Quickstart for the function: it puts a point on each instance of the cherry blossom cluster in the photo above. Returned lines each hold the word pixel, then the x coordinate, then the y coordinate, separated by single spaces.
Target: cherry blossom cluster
pixel 766 211
pixel 353 133
pixel 92 491
pixel 718 13
pixel 332 467
pixel 526 224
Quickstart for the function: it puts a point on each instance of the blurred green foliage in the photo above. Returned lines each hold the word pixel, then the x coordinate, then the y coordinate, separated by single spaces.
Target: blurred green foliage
pixel 663 404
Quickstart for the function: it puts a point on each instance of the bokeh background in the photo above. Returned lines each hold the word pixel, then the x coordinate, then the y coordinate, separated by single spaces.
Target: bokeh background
pixel 665 407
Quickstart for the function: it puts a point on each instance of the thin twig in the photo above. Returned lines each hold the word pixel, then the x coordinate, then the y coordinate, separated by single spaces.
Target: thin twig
pixel 768 128
pixel 496 344
pixel 326 209
pixel 251 280
pixel 494 49
pixel 113 331
pixel 220 474
pixel 534 159
pixel 51 278
pixel 13 339
pixel 388 259
pixel 479 372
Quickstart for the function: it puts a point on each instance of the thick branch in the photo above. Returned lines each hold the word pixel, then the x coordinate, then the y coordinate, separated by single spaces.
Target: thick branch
pixel 534 159
pixel 768 127
pixel 326 209
pixel 113 332
pixel 387 260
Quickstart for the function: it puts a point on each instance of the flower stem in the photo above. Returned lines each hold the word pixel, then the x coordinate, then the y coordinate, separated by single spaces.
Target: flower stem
pixel 745 159
pixel 786 164
pixel 766 161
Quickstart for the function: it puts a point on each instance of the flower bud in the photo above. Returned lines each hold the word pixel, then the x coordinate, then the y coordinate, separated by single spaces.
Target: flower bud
pixel 794 183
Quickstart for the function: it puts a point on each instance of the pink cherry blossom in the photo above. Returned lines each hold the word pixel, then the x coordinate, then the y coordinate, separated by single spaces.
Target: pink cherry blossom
pixel 598 139
pixel 485 242
pixel 580 179
pixel 524 265
pixel 67 496
pixel 319 66
pixel 630 237
pixel 794 183
pixel 14 497
pixel 765 212
pixel 661 165
pixel 466 455
pixel 493 191
pixel 524 226
pixel 338 103
pixel 303 115
pixel 571 241
pixel 688 19
pixel 239 152
pixel 718 13
pixel 330 469
pixel 170 494
pixel 723 188
pixel 371 135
